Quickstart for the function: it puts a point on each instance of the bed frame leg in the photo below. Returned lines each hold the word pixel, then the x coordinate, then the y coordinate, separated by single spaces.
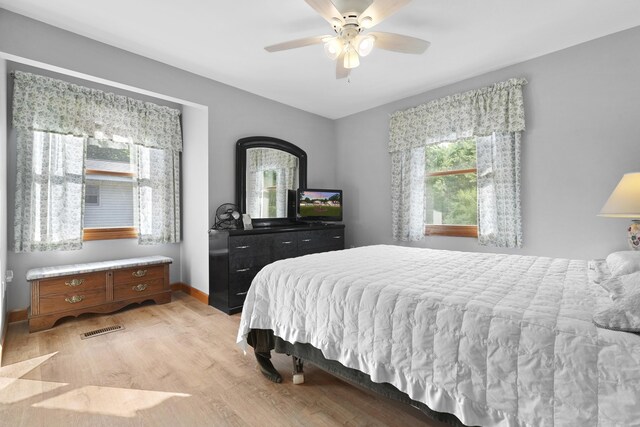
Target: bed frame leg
pixel 298 374
pixel 267 368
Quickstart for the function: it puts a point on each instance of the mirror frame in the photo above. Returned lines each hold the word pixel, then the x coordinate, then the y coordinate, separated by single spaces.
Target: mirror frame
pixel 242 146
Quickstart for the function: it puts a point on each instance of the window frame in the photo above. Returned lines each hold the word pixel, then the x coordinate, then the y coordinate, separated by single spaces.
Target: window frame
pixel 448 229
pixel 109 233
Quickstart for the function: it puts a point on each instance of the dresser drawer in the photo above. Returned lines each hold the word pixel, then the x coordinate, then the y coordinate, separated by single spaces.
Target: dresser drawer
pixel 244 263
pixel 71 300
pixel 333 240
pixel 137 274
pixel 312 241
pixel 73 283
pixel 284 245
pixel 239 285
pixel 137 289
pixel 243 276
pixel 249 245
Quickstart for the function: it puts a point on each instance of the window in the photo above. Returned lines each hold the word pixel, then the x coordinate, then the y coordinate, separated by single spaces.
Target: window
pixel 94 145
pixel 451 201
pixel 91 195
pixel 109 194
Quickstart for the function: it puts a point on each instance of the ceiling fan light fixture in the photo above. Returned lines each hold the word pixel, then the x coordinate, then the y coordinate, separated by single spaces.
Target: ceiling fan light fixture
pixel 364 44
pixel 350 38
pixel 351 59
pixel 333 48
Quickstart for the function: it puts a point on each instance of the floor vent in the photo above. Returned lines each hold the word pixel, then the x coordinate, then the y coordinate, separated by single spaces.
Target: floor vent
pixel 101 331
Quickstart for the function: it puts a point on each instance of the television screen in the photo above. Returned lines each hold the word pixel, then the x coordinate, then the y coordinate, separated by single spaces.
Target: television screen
pixel 319 205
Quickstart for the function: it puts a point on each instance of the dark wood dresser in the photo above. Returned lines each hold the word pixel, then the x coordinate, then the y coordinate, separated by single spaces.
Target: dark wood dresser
pixel 236 256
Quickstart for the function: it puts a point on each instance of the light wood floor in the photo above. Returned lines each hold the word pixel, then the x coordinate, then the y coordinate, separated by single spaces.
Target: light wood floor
pixel 174 365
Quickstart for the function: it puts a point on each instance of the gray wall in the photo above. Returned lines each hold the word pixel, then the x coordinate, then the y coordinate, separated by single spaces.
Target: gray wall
pixel 583 133
pixel 3 198
pixel 233 114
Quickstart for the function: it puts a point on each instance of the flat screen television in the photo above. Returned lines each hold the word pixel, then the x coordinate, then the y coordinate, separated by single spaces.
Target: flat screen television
pixel 315 204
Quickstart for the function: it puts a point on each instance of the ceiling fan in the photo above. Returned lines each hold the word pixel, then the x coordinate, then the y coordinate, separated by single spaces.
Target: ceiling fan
pixel 350 19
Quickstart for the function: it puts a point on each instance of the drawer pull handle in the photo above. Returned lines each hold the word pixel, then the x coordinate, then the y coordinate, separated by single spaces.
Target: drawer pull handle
pixel 74 282
pixel 139 288
pixel 241 293
pixel 288 242
pixel 306 240
pixel 139 273
pixel 74 299
pixel 242 247
pixel 337 237
pixel 242 270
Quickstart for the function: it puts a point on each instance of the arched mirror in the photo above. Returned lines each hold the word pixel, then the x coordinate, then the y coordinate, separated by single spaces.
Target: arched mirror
pixel 266 168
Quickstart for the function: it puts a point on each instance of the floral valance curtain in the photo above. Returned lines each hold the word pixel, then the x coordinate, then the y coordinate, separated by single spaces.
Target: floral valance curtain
pixel 263 159
pixel 498 108
pixel 495 113
pixel 45 104
pixel 53 121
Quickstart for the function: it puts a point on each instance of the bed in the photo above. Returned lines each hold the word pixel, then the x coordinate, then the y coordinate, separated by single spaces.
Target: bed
pixel 494 339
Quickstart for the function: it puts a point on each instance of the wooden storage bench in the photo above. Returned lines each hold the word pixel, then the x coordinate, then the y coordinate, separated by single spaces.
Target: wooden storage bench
pixel 97 287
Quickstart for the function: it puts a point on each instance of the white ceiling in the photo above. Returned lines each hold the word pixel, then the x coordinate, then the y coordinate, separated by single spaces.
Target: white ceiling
pixel 224 40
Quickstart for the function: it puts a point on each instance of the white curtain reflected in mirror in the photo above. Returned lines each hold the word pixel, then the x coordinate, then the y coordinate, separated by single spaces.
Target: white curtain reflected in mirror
pixel 270 173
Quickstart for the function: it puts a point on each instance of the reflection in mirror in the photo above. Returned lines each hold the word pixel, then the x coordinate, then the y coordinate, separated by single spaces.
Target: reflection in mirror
pixel 269 174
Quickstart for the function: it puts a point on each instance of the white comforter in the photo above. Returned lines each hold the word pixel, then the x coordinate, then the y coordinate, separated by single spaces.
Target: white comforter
pixel 494 339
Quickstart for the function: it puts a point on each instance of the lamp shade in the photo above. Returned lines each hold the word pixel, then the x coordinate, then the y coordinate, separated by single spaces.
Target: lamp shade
pixel 333 48
pixel 351 59
pixel 624 202
pixel 364 44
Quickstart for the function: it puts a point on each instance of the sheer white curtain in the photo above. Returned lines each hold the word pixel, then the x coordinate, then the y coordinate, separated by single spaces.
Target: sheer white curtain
pixel 286 178
pixel 255 184
pixel 157 195
pixel 49 192
pixel 407 197
pixel 50 170
pixel 498 165
pixel 495 116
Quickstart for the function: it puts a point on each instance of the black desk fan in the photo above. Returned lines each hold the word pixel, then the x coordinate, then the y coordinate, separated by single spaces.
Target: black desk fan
pixel 227 217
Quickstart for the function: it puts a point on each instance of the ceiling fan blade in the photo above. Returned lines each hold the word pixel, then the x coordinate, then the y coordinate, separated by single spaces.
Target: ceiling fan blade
pixel 327 10
pixel 341 72
pixel 382 9
pixel 400 43
pixel 293 44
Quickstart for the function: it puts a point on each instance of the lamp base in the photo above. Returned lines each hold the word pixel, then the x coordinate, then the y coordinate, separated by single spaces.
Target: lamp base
pixel 634 235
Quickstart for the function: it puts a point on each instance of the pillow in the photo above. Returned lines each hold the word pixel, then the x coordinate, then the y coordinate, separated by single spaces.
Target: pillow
pixel 629 284
pixel 623 314
pixel 616 286
pixel 620 277
pixel 598 271
pixel 599 275
pixel 624 262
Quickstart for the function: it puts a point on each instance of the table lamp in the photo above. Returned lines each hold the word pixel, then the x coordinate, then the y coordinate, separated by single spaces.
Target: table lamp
pixel 624 202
